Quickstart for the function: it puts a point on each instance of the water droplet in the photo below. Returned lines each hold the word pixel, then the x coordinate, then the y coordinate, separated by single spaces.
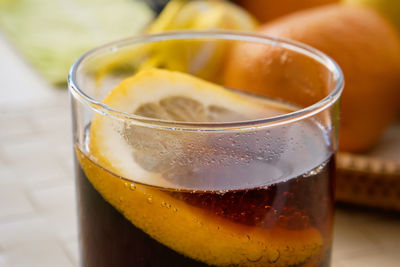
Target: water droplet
pixel 175 209
pixel 133 187
pixel 126 185
pixel 163 204
pixel 150 199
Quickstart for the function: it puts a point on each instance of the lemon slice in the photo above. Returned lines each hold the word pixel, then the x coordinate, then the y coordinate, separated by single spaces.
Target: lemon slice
pixel 194 232
pixel 165 95
pixel 201 58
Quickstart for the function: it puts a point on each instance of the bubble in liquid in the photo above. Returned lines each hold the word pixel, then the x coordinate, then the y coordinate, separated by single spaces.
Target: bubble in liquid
pixel 255 256
pixel 150 200
pixel 315 170
pixel 274 257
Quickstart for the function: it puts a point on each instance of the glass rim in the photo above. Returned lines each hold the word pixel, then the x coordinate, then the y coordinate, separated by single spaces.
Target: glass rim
pixel 283 119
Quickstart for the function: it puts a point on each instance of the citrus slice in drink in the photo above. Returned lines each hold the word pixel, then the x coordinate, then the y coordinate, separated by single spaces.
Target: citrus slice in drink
pixel 190 230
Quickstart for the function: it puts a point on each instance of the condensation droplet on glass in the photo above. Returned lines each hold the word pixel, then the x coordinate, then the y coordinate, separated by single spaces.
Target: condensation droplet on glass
pixel 133 187
pixel 150 200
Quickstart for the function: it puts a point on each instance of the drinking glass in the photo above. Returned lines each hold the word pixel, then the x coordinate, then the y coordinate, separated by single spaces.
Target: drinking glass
pixel 250 182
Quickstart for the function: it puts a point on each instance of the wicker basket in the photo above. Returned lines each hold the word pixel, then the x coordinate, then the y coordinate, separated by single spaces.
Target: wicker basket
pixel 372 179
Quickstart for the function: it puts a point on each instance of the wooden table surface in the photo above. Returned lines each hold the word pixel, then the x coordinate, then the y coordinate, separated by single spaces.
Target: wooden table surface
pixel 37 198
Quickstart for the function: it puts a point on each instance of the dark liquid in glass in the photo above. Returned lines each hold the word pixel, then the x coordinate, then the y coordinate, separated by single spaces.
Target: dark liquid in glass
pixel 298 204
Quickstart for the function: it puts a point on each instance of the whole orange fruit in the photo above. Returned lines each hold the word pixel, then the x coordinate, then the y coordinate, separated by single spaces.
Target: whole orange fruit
pixel 363 43
pixel 265 10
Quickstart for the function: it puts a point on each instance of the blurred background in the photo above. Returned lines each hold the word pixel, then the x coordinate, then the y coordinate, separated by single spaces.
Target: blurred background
pixel 40 39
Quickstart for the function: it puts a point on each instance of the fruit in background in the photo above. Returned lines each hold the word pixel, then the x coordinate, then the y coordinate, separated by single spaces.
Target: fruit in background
pixel 197 15
pixel 389 8
pixel 361 41
pixel 265 10
pixel 202 15
pixel 202 58
pixel 53 34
